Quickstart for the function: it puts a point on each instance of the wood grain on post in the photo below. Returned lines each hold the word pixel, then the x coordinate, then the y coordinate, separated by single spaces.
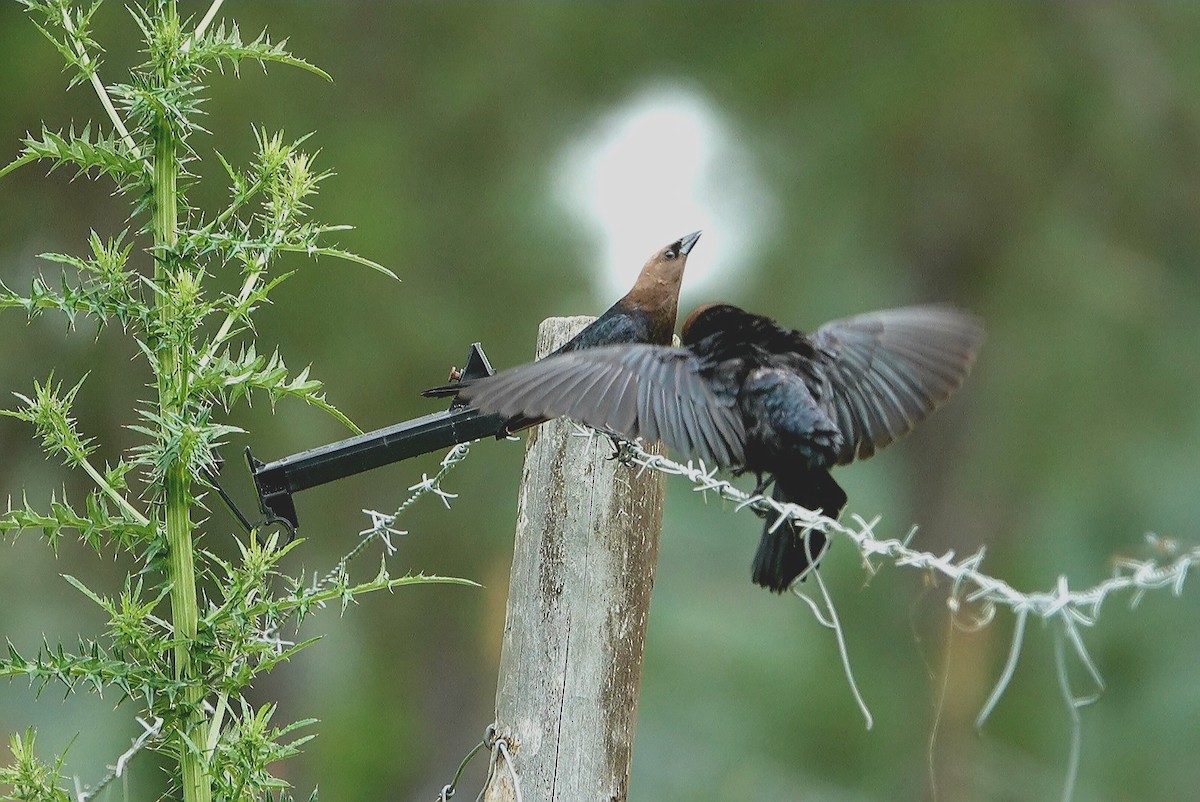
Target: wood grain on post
pixel 578 600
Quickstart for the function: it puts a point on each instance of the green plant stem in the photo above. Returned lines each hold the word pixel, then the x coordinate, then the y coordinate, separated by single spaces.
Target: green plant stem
pixel 223 332
pixel 111 492
pixel 98 85
pixel 208 18
pixel 185 615
pixel 197 786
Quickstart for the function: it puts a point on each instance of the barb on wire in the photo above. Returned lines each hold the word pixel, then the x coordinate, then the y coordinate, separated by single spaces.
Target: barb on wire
pixel 382 523
pixel 382 528
pixel 1068 609
pixel 150 733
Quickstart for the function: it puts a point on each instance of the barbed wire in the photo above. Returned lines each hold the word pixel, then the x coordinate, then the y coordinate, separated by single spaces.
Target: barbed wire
pixel 1068 610
pixel 1074 608
pixel 382 524
pixel 150 733
pixel 382 528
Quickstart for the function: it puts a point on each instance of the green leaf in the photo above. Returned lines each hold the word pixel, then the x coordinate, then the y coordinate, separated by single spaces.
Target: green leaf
pixel 87 154
pixel 32 779
pixel 50 412
pixel 98 526
pixel 340 254
pixel 224 43
pixel 105 289
pixel 86 591
pixel 306 598
pixel 231 378
pixel 20 161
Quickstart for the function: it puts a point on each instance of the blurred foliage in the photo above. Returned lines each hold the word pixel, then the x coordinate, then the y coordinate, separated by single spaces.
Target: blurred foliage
pixel 1034 163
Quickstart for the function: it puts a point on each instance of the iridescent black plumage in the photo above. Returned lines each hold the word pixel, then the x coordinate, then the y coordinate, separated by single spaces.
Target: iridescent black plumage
pixel 746 393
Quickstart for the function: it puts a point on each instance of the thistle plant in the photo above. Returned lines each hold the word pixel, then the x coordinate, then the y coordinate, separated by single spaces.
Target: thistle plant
pixel 189 631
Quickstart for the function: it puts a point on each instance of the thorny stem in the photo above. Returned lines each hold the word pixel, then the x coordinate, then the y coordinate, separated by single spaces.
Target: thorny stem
pixel 111 492
pixel 223 332
pixel 260 267
pixel 98 85
pixel 208 18
pixel 193 737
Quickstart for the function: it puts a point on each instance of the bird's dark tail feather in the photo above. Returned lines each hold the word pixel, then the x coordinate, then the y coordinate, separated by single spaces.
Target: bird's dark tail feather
pixel 784 554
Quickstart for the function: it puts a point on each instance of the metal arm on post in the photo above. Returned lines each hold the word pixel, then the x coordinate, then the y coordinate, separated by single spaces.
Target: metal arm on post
pixel 275 482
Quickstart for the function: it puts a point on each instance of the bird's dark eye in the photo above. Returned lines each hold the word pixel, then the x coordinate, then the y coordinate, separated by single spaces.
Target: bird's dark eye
pixel 670 254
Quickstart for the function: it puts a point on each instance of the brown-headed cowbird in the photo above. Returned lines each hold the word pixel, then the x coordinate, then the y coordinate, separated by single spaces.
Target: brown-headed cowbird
pixel 746 393
pixel 645 314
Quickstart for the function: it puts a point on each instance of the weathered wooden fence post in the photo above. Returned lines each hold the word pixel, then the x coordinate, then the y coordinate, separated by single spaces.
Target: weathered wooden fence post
pixel 578 601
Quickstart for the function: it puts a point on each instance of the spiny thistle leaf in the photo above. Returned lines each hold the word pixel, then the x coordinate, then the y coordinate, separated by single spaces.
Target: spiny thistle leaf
pixel 90 666
pixel 104 154
pixel 230 378
pixel 337 253
pixel 105 289
pixel 30 778
pixel 98 526
pixel 50 412
pixel 224 44
pixel 190 437
pixel 68 29
pixel 253 743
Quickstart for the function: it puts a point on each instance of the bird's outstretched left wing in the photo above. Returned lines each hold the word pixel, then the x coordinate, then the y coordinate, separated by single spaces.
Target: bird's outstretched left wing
pixel 888 370
pixel 646 391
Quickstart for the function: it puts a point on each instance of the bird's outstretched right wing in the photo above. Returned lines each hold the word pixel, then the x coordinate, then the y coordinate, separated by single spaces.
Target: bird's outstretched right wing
pixel 645 391
pixel 888 370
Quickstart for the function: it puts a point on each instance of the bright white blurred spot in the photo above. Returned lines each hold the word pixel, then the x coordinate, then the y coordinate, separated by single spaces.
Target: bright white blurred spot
pixel 660 166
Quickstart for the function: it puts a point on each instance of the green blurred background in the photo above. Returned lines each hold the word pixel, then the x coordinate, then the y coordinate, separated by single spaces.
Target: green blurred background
pixel 1036 164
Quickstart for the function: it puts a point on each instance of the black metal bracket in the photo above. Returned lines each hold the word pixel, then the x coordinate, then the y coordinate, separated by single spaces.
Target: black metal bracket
pixel 277 481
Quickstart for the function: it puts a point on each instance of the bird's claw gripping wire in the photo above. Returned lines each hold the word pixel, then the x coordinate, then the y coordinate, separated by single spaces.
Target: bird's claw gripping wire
pixel 763 485
pixel 622 450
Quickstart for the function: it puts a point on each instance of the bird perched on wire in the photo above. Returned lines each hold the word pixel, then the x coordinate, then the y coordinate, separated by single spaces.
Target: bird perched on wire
pixel 746 393
pixel 645 314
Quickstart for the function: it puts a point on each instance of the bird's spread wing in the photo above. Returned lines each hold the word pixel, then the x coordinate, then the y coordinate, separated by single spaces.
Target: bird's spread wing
pixel 643 391
pixel 888 370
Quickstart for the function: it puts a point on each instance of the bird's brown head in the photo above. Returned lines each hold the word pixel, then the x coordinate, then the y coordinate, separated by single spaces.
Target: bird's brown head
pixel 657 285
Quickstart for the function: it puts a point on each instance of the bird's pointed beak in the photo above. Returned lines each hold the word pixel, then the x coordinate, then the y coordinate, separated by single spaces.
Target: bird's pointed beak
pixel 685 244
